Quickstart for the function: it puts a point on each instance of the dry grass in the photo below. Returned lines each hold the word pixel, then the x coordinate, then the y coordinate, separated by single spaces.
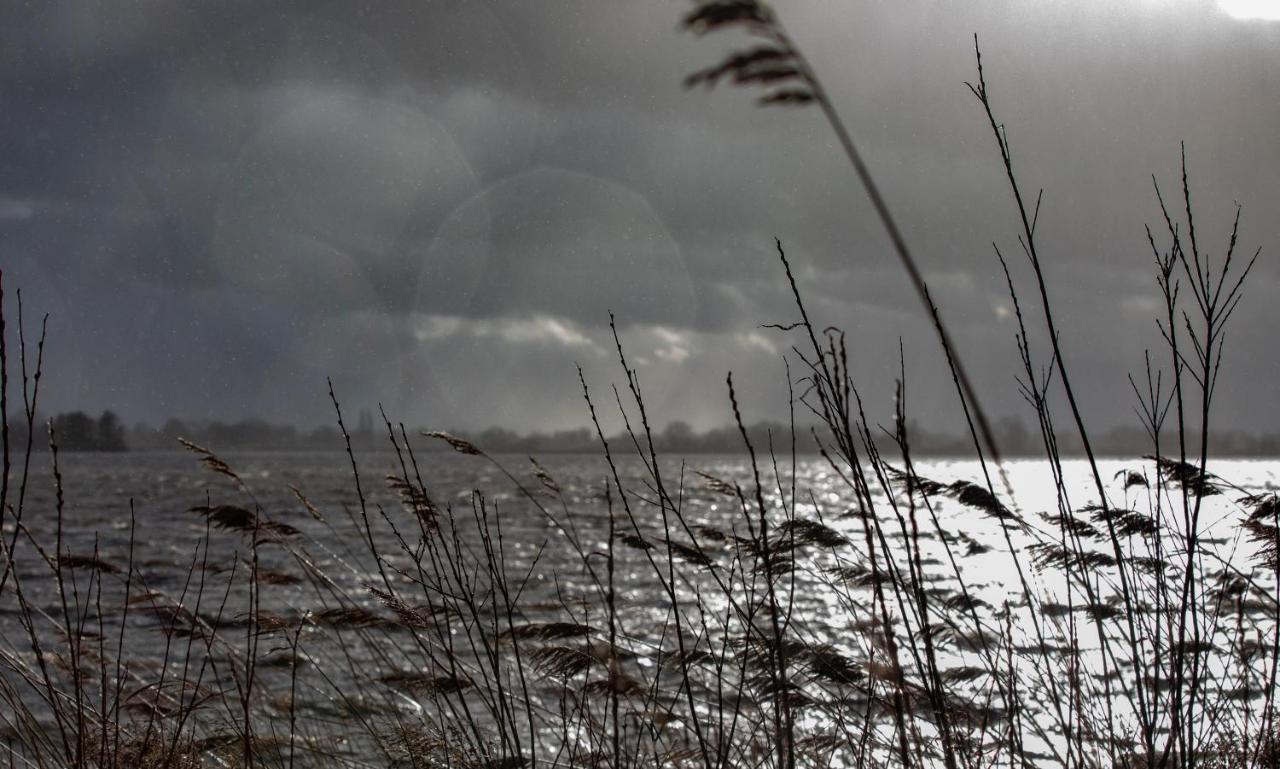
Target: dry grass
pixel 787 631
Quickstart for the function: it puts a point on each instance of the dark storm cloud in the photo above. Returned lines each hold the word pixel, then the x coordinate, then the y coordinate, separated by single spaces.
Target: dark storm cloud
pixel 438 203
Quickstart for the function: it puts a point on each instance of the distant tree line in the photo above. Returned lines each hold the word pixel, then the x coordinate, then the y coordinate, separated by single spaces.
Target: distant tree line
pixel 72 431
pixel 77 431
pixel 255 435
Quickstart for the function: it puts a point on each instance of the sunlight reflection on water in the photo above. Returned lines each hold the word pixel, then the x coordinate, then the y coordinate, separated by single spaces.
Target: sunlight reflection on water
pixel 162 487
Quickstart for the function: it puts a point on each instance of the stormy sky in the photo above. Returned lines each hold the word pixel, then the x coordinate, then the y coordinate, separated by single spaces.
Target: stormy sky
pixel 437 204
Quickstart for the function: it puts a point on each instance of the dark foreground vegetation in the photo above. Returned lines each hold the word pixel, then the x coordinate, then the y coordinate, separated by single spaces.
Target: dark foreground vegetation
pixel 832 626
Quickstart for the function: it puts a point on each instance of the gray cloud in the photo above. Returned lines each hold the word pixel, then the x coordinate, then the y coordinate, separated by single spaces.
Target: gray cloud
pixel 439 203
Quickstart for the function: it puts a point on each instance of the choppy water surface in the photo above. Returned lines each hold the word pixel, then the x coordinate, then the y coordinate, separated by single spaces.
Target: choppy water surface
pixel 321 566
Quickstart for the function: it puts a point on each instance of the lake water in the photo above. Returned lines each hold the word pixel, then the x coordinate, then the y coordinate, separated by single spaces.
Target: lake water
pixel 173 563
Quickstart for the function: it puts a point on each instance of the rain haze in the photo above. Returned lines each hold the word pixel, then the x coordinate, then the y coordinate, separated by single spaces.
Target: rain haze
pixel 438 204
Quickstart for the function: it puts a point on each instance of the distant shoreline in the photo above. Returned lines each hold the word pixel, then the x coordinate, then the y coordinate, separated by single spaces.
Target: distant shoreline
pixel 672 452
pixel 78 432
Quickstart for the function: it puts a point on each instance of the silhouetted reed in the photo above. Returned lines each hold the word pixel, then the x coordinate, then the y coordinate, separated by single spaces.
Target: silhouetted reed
pixel 669 616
